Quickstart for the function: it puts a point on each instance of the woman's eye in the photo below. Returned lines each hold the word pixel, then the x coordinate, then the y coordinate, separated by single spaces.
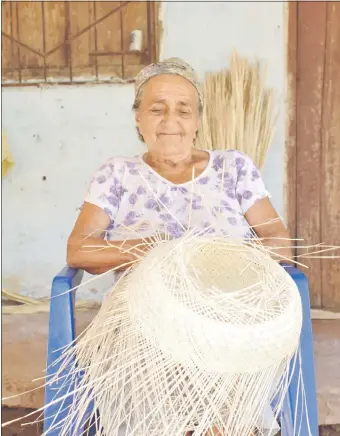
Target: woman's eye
pixel 156 111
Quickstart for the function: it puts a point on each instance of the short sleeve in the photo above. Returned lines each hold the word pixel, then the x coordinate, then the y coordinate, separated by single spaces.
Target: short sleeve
pixel 250 187
pixel 105 190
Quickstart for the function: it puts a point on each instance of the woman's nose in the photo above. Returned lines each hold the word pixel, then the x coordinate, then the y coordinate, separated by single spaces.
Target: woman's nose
pixel 170 117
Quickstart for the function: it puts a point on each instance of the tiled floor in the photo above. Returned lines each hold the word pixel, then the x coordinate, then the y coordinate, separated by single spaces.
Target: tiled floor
pixel 330 430
pixel 30 339
pixel 34 430
pixel 16 429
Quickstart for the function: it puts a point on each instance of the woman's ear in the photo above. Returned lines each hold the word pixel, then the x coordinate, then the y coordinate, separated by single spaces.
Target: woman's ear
pixel 198 125
pixel 137 118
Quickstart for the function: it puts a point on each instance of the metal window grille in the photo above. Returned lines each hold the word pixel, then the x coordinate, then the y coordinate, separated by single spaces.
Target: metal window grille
pixel 73 42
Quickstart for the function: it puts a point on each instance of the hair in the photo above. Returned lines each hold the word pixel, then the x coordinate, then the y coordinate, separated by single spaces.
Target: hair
pixel 135 108
pixel 138 101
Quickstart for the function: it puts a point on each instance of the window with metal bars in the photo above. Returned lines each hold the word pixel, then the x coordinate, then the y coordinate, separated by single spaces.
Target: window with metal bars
pixel 77 42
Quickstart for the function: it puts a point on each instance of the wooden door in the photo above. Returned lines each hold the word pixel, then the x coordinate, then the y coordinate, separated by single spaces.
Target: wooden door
pixel 313 145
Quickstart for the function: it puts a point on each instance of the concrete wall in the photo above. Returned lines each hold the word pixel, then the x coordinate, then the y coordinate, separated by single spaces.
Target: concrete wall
pixel 60 135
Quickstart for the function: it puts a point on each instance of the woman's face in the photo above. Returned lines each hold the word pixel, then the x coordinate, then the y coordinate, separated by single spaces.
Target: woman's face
pixel 168 116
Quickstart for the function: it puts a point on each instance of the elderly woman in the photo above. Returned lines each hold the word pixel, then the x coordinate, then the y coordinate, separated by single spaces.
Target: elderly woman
pixel 172 186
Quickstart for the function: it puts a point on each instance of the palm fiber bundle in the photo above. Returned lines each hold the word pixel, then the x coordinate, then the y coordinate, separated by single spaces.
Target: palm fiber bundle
pixel 239 111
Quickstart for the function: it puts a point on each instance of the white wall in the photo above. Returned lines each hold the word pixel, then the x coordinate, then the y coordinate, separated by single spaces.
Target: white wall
pixel 65 133
pixel 206 33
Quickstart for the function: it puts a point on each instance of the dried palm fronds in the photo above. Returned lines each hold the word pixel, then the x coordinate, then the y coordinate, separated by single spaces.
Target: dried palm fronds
pixel 18 298
pixel 27 305
pixel 185 344
pixel 239 111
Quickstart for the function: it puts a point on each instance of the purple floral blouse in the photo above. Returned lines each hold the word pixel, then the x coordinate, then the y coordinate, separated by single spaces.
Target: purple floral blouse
pixel 139 201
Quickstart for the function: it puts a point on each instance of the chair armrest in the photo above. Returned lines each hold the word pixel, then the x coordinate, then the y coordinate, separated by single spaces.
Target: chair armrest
pixel 61 334
pixel 61 323
pixel 296 413
pixel 70 275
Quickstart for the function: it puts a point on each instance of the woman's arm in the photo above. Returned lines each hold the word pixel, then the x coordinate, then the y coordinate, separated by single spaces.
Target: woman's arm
pixel 93 221
pixel 259 216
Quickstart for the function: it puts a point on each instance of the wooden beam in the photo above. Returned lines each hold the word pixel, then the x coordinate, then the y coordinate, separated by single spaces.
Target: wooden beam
pixel 291 185
pixel 330 159
pixel 310 74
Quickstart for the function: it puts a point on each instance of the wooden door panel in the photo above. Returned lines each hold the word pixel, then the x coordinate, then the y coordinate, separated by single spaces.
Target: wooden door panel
pixel 330 196
pixel 313 145
pixel 310 72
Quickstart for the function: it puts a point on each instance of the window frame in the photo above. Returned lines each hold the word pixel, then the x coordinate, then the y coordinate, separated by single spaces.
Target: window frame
pixel 148 55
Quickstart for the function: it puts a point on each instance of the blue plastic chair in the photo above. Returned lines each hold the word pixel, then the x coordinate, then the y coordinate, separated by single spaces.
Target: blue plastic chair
pixel 62 333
